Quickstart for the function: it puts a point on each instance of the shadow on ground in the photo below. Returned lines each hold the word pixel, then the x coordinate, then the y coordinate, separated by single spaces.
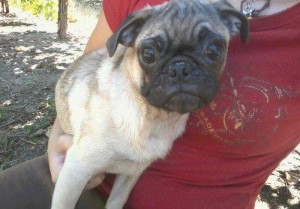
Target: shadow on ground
pixel 31 60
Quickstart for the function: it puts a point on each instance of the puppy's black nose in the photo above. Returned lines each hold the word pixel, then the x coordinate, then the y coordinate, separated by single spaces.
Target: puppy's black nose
pixel 179 69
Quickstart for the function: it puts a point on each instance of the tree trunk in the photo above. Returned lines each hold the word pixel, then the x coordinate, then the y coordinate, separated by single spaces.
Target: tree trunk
pixel 62 19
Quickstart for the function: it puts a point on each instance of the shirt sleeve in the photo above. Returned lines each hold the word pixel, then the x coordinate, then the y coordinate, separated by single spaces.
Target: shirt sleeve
pixel 116 11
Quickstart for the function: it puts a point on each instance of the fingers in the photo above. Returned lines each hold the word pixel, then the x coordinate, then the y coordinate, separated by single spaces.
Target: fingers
pixel 57 153
pixel 59 143
pixel 94 181
pixel 63 143
pixel 55 165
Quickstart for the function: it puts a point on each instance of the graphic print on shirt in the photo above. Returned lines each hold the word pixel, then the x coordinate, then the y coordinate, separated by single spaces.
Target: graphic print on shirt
pixel 246 110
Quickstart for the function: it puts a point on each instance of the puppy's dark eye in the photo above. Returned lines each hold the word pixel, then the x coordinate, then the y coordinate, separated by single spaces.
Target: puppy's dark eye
pixel 214 51
pixel 148 54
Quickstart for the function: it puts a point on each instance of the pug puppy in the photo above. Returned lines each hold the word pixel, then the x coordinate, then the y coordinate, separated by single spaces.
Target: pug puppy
pixel 125 105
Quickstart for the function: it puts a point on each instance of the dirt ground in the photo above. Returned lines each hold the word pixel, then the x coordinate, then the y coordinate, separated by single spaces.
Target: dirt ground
pixel 32 59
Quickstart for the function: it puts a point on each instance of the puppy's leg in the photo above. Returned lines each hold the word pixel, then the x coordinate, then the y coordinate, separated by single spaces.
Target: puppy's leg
pixel 120 192
pixel 71 181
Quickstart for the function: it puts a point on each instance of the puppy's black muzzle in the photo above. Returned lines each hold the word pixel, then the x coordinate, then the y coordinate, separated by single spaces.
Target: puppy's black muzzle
pixel 182 86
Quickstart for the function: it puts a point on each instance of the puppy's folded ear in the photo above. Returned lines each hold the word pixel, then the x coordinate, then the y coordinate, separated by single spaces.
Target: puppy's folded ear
pixel 128 31
pixel 234 20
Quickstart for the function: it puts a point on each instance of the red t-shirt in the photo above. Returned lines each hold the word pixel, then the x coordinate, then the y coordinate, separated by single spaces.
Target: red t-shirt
pixel 230 147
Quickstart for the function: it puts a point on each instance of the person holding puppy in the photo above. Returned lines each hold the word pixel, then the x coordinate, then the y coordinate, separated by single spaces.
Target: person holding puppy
pixel 229 148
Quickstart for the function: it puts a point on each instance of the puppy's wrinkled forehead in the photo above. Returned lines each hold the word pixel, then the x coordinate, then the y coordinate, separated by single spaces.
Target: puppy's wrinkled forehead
pixel 183 21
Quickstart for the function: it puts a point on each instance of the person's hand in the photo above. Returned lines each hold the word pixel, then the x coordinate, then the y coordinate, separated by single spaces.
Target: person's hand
pixel 58 144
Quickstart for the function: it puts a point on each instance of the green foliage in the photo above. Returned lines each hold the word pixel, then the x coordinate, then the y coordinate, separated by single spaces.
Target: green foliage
pixel 46 8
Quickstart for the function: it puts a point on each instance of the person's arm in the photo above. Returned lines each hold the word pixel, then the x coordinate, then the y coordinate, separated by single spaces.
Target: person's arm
pixel 59 142
pixel 100 34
